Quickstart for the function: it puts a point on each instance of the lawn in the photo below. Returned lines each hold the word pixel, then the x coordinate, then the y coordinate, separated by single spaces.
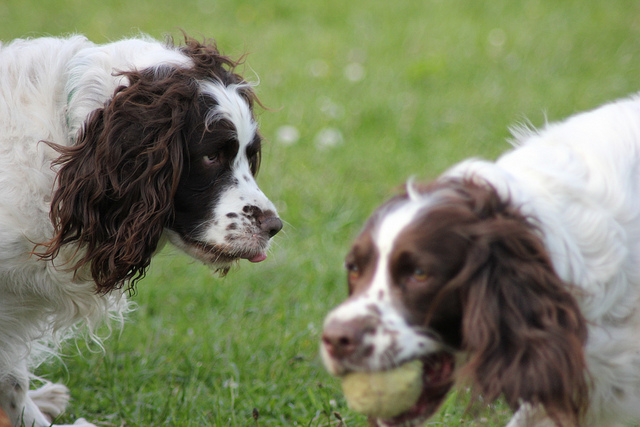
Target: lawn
pixel 361 94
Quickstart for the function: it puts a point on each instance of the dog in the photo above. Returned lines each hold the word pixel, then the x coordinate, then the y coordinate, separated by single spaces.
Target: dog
pixel 518 278
pixel 106 153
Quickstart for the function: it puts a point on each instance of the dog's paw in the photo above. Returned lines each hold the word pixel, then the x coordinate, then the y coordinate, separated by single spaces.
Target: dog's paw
pixel 51 399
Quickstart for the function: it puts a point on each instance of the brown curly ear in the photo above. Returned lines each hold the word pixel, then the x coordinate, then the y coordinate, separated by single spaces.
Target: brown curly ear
pixel 523 330
pixel 116 185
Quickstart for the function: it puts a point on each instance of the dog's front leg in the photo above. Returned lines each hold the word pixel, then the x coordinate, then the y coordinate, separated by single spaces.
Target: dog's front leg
pixel 36 408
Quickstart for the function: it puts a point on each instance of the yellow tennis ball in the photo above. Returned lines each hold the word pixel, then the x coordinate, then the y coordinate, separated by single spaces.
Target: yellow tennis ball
pixel 384 394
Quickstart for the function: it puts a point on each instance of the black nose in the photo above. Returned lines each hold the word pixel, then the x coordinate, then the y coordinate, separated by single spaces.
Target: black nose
pixel 271 225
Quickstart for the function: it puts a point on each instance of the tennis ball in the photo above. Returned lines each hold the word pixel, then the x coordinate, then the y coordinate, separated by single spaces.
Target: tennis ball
pixel 384 394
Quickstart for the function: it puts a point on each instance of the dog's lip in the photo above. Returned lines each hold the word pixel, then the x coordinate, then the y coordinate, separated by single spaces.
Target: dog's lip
pixel 222 254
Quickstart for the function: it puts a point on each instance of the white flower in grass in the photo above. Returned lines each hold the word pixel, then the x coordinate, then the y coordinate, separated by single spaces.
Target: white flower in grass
pixel 287 135
pixel 318 68
pixel 354 72
pixel 497 37
pixel 328 137
pixel 330 108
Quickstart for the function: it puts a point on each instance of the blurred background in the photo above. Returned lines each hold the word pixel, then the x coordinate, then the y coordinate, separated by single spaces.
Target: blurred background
pixel 360 95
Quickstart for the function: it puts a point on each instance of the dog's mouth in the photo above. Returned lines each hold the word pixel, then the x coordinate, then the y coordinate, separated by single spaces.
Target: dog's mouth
pixel 223 254
pixel 220 256
pixel 437 379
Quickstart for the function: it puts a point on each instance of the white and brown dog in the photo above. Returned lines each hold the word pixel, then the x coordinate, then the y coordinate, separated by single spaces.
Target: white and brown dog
pixel 107 151
pixel 524 271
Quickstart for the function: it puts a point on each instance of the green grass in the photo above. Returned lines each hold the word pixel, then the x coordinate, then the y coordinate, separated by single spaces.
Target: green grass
pixel 440 80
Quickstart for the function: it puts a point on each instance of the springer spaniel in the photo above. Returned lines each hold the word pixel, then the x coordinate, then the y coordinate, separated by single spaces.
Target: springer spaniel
pixel 518 277
pixel 106 152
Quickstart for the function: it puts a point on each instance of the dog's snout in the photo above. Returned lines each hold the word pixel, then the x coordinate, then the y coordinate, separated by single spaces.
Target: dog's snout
pixel 266 220
pixel 344 339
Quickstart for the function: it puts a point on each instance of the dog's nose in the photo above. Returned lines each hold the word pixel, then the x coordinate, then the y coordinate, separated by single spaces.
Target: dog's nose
pixel 343 339
pixel 266 220
pixel 271 225
pixel 339 341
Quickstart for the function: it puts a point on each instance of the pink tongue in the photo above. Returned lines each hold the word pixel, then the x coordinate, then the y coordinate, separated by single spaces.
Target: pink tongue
pixel 258 258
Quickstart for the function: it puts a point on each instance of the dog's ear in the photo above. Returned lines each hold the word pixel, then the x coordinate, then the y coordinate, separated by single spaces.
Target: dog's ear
pixel 521 327
pixel 116 184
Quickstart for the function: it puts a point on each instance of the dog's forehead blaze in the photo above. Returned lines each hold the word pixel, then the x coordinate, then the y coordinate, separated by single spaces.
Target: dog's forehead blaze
pixel 374 248
pixel 400 223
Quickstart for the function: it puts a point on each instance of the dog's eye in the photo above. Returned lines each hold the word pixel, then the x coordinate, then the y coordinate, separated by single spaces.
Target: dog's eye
pixel 352 270
pixel 211 160
pixel 419 275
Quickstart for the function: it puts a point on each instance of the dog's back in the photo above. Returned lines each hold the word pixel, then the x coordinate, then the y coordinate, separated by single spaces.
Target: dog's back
pixel 32 87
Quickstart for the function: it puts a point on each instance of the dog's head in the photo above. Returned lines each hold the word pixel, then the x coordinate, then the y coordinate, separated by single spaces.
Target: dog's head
pixel 173 152
pixel 455 276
